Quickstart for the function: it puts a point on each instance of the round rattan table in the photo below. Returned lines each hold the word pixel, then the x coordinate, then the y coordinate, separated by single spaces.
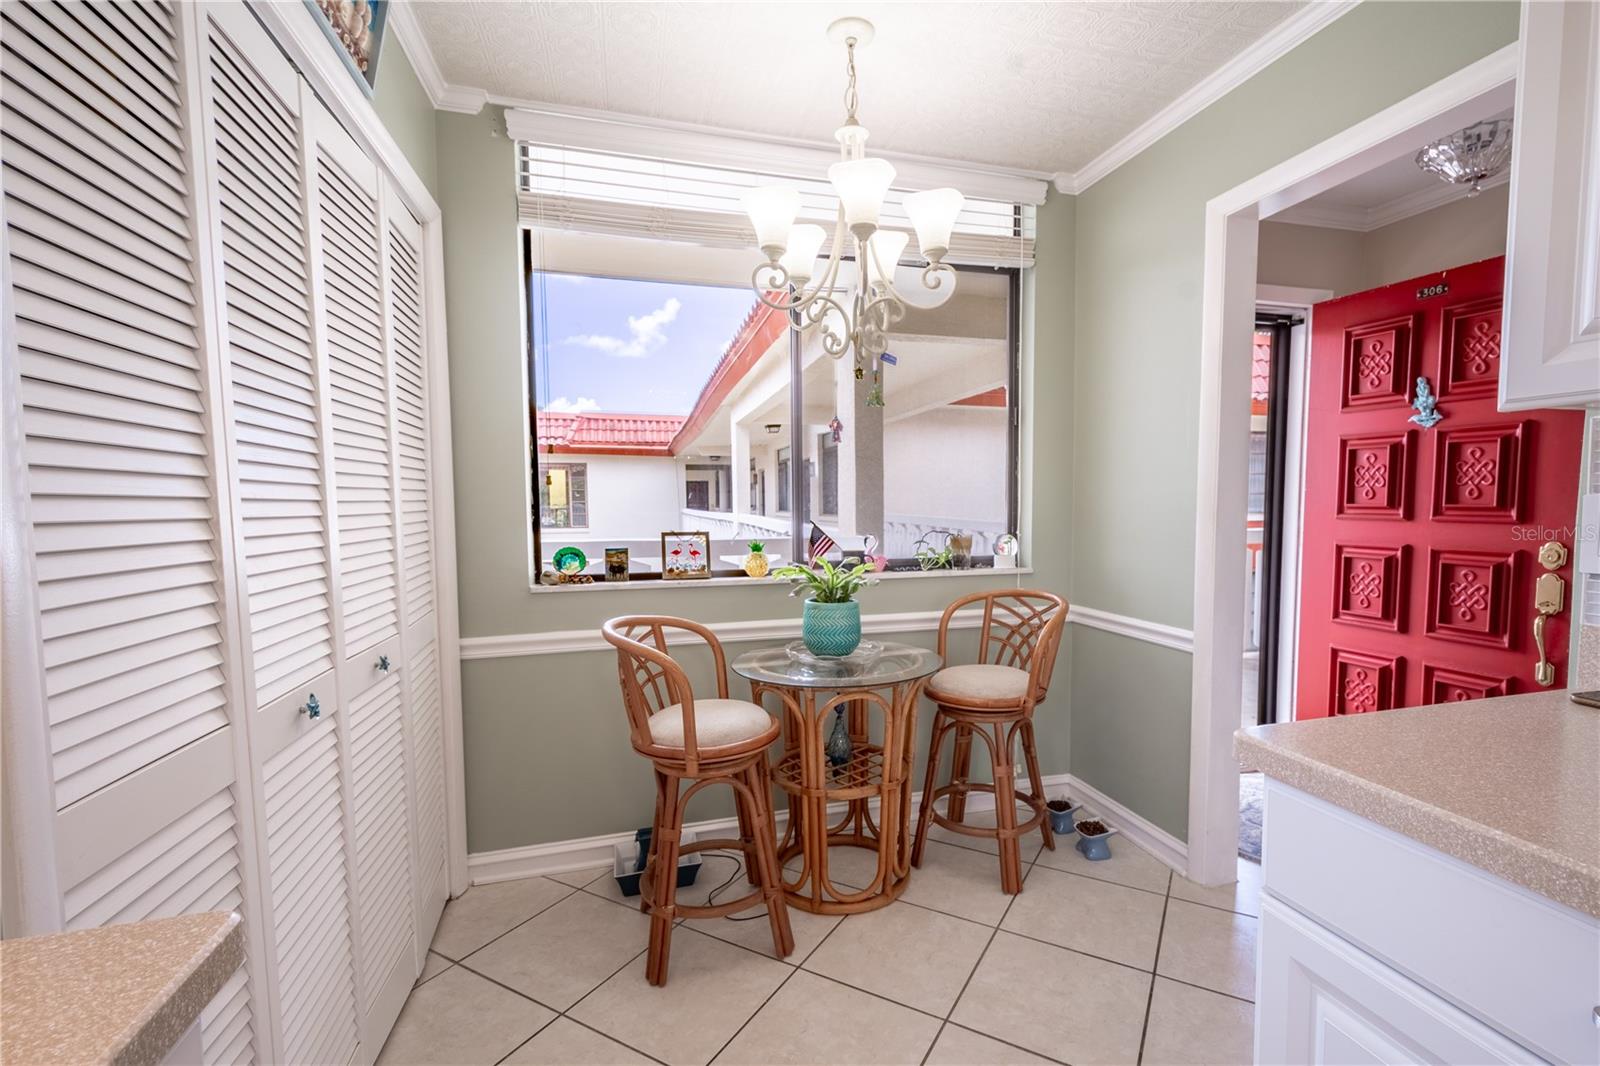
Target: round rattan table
pixel 876 691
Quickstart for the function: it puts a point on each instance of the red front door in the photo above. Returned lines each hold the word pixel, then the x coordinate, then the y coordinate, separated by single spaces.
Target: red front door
pixel 1421 544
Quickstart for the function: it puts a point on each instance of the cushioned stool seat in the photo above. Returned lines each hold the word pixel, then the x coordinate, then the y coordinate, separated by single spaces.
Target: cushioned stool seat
pixel 717 723
pixel 978 682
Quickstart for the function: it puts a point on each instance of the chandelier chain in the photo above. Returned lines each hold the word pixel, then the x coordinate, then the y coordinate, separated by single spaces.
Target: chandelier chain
pixel 851 98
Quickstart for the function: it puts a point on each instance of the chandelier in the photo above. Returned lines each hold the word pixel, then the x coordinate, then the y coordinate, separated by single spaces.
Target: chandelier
pixel 1473 155
pixel 788 280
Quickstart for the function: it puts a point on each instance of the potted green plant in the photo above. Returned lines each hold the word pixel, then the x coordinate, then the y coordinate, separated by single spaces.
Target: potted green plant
pixel 935 558
pixel 830 622
pixel 755 564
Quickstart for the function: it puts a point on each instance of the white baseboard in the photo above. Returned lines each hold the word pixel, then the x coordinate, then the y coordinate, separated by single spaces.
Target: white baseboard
pixel 1143 832
pixel 586 853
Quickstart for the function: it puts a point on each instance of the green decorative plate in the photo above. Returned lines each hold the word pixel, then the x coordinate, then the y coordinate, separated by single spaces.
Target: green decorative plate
pixel 569 560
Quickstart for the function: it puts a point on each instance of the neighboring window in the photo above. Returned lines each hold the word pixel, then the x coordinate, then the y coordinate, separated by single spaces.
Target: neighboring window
pixel 828 505
pixel 564 496
pixel 708 486
pixel 783 481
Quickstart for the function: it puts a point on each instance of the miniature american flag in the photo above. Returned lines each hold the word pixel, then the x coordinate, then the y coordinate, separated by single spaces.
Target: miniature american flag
pixel 820 544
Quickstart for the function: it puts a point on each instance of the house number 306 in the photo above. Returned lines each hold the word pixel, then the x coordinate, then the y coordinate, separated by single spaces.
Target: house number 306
pixel 1432 290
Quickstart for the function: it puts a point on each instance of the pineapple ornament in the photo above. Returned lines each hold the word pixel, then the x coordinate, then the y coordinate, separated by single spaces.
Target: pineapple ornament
pixel 756 564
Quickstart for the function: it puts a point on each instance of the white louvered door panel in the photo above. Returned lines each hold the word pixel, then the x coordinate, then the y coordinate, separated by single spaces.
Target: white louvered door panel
pixel 427 734
pixel 100 234
pixel 383 850
pixel 346 198
pixel 406 335
pixel 283 525
pixel 306 845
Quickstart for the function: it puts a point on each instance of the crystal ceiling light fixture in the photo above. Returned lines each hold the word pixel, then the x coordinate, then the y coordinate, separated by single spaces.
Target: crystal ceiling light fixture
pixel 788 280
pixel 1472 155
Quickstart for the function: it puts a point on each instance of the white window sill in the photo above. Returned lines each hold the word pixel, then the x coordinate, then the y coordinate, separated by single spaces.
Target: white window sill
pixel 654 584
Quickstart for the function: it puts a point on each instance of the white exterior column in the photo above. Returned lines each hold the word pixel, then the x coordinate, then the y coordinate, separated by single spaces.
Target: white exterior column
pixel 860 454
pixel 741 466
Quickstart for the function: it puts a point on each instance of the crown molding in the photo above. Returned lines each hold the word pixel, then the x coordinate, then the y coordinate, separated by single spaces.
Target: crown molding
pixel 444 96
pixel 1367 219
pixel 1284 37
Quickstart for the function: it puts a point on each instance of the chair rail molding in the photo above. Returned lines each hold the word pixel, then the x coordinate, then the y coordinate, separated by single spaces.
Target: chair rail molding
pixel 565 641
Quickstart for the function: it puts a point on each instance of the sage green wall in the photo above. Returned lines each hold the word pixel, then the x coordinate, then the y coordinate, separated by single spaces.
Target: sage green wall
pixel 547 755
pixel 1139 248
pixel 403 105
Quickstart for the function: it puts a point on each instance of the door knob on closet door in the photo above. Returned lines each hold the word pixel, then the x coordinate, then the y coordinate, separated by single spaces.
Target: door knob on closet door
pixel 312 709
pixel 383 663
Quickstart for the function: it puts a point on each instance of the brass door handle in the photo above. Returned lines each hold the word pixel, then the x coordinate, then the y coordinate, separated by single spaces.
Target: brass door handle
pixel 1549 597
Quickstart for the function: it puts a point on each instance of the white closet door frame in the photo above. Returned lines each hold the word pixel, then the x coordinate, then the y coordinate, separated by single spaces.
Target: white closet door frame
pixel 296 31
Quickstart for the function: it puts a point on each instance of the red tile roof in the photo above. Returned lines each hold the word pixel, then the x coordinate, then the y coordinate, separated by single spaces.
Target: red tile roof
pixel 606 433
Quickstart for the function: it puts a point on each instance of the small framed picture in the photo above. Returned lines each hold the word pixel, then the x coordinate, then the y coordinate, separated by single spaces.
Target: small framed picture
pixel 685 555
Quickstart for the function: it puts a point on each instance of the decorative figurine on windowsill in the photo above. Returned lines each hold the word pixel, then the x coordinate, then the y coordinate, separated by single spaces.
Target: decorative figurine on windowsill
pixel 756 564
pixel 1006 550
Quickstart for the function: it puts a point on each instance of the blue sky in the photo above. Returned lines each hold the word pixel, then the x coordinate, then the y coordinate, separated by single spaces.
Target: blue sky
pixel 602 344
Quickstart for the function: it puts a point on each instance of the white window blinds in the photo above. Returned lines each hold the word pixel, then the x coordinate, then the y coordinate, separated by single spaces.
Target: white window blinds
pixel 570 188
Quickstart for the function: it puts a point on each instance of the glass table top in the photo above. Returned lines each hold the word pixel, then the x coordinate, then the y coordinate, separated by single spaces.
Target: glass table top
pixel 873 664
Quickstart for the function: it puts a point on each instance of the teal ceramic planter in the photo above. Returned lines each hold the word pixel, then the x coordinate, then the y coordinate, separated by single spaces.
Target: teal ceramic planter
pixel 831 628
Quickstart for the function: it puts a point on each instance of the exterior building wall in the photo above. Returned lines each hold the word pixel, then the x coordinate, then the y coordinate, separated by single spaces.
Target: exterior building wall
pixel 945 468
pixel 631 497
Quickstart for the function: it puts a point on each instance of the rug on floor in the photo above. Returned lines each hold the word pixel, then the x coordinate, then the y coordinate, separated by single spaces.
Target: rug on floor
pixel 1250 799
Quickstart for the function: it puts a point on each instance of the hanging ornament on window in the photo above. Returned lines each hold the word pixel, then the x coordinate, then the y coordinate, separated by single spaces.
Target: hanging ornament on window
pixel 836 428
pixel 875 395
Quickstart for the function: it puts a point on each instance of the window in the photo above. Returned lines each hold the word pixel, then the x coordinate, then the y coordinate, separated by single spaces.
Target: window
pixel 828 504
pixel 653 363
pixel 784 484
pixel 564 496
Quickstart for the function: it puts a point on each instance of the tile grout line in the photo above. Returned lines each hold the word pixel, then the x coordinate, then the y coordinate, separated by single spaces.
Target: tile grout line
pixel 1150 997
pixel 514 928
pixel 993 932
pixel 786 979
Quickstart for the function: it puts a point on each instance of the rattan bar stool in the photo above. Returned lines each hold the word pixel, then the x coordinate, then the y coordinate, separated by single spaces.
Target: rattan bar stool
pixel 994 699
pixel 704 742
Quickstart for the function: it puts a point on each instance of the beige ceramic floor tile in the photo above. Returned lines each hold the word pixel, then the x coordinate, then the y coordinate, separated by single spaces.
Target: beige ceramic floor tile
pixel 908 954
pixel 1029 845
pixel 579 878
pixel 566 1043
pixel 560 956
pixel 1244 895
pixel 1112 921
pixel 1212 948
pixel 434 965
pixel 751 929
pixel 1129 864
pixel 960 882
pixel 1056 1002
pixel 848 867
pixel 962 1047
pixel 486 911
pixel 460 1018
pixel 814 1020
pixel 712 989
pixel 1192 1026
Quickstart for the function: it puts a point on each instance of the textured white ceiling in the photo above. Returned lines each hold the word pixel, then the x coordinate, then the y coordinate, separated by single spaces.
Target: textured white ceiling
pixel 1036 86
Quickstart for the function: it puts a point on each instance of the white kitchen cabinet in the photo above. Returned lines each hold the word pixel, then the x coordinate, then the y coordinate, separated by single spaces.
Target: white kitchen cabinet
pixel 218 360
pixel 1376 948
pixel 1551 346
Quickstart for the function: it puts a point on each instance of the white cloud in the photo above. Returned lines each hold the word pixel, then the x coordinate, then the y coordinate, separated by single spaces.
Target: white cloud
pixel 645 332
pixel 563 406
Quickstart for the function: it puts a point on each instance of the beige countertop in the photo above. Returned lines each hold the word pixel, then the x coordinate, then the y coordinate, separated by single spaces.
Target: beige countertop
pixel 120 994
pixel 1510 785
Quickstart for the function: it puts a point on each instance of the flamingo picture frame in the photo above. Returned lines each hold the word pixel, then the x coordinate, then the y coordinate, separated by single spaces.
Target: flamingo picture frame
pixel 685 555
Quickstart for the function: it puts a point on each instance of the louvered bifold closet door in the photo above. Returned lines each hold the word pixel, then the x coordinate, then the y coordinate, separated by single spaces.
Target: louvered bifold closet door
pixel 259 185
pixel 120 415
pixel 407 342
pixel 348 209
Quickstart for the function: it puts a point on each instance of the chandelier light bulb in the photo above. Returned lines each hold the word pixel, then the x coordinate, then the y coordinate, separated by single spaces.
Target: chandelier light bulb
pixel 805 241
pixel 772 209
pixel 885 248
pixel 861 184
pixel 933 215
